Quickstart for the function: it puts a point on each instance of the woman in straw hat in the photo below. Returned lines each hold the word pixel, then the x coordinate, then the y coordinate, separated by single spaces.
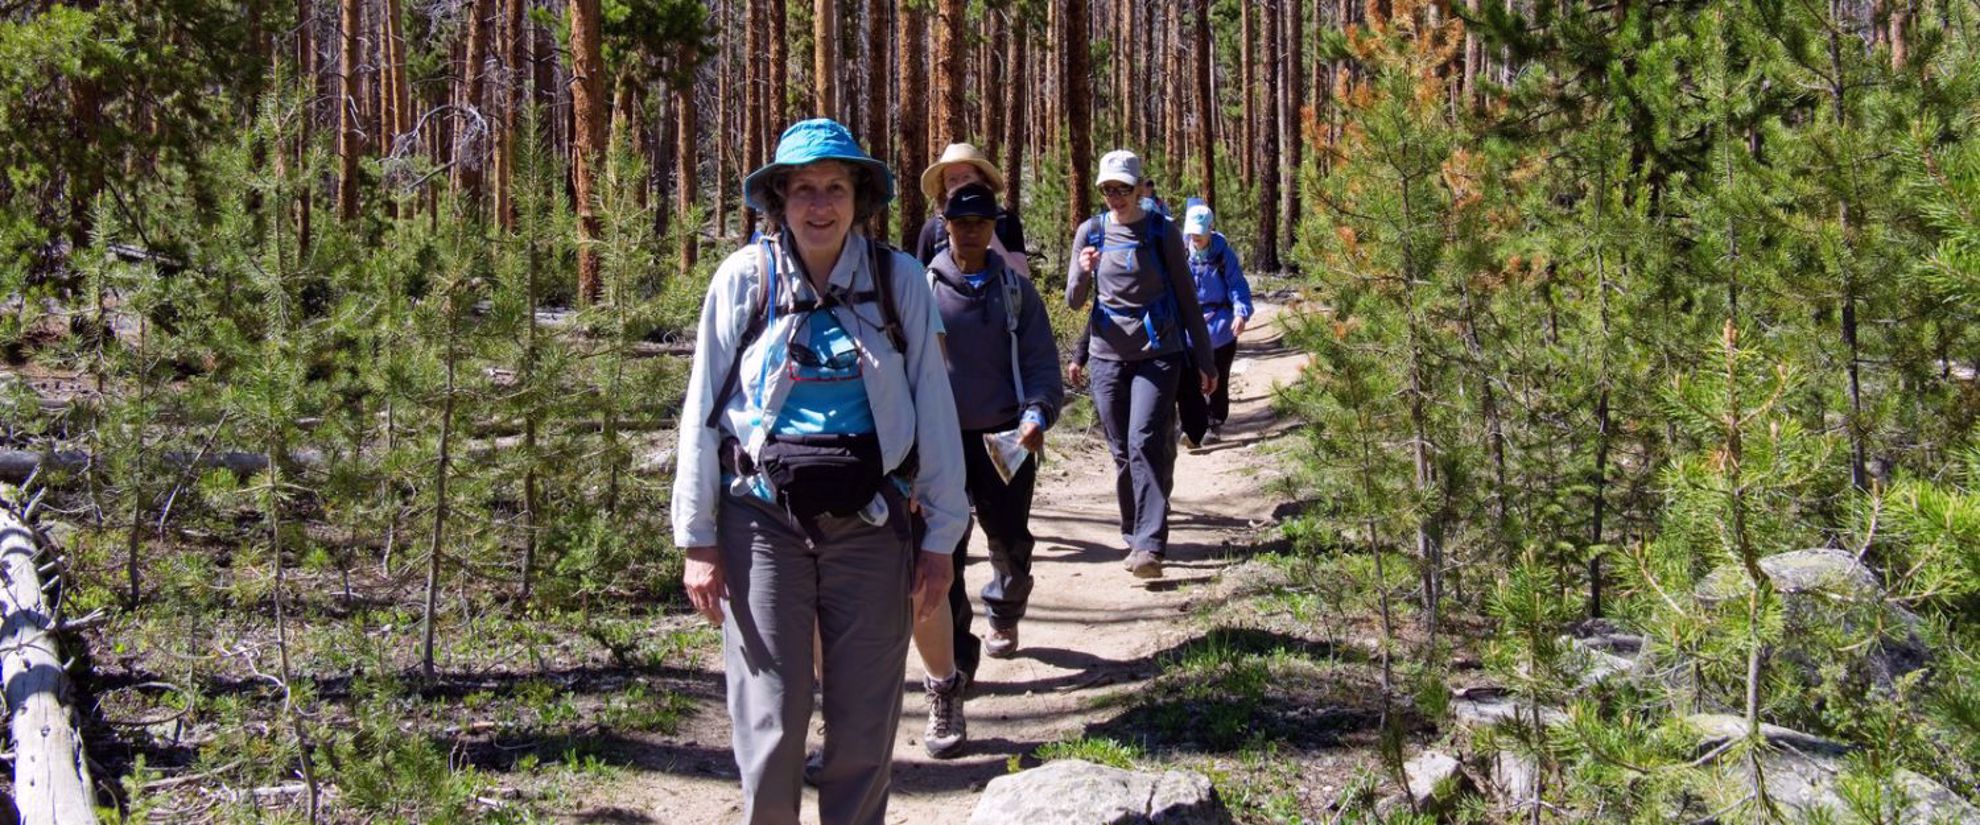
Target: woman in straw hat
pixel 817 376
pixel 959 165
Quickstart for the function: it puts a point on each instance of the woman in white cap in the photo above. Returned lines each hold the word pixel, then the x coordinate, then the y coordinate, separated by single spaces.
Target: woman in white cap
pixel 817 379
pixel 1225 297
pixel 1147 336
pixel 962 164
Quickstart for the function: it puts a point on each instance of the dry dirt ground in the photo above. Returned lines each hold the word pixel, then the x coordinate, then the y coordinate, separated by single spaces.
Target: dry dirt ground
pixel 1092 630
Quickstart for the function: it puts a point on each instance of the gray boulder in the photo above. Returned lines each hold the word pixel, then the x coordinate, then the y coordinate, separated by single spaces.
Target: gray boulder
pixel 1825 593
pixel 1801 772
pixel 1074 792
pixel 1435 780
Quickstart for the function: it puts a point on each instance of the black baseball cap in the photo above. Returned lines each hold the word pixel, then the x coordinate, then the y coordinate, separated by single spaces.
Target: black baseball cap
pixel 972 201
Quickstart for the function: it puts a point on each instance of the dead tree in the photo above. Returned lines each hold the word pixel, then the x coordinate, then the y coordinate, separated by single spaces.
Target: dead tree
pixel 51 772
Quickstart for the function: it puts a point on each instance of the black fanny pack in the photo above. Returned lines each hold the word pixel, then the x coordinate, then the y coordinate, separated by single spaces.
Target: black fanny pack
pixel 824 474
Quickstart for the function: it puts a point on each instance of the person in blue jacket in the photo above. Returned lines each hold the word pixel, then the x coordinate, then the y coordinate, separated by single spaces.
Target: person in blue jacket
pixel 1226 300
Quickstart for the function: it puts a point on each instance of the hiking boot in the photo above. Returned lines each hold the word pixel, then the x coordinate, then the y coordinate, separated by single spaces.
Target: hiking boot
pixel 814 764
pixel 1144 565
pixel 947 729
pixel 1002 644
pixel 1213 435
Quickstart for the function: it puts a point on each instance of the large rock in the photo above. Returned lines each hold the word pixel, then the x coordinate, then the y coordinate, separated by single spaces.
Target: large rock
pixel 1801 773
pixel 1435 780
pixel 1824 592
pixel 1073 792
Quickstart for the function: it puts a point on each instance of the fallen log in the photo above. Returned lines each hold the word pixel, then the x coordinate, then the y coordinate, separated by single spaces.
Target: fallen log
pixel 51 772
pixel 17 465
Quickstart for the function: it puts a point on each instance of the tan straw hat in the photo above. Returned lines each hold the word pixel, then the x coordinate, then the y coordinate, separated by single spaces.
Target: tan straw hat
pixel 931 180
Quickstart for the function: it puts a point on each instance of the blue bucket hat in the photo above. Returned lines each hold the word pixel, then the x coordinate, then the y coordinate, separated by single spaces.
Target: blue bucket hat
pixel 809 141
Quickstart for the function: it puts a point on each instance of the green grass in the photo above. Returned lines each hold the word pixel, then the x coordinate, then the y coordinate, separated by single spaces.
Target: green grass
pixel 1098 750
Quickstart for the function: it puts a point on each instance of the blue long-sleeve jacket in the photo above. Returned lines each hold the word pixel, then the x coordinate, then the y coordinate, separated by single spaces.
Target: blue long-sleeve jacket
pixel 1220 287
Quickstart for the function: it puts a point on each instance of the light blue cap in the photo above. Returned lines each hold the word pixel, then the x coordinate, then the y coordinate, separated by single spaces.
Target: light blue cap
pixel 810 141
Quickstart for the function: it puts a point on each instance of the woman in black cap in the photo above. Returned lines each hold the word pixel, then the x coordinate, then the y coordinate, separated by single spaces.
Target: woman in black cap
pixel 1004 371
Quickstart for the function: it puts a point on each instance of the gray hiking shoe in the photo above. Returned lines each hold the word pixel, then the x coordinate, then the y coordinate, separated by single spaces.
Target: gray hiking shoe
pixel 1144 565
pixel 947 729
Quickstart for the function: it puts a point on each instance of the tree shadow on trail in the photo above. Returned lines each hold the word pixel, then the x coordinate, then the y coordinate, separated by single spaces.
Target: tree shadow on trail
pixel 1236 688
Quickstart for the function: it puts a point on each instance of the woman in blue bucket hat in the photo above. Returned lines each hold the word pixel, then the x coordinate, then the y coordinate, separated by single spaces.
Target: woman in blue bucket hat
pixel 818 411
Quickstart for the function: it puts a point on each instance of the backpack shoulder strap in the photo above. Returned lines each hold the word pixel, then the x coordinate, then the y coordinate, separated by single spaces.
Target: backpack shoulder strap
pixel 1013 302
pixel 883 283
pixel 766 273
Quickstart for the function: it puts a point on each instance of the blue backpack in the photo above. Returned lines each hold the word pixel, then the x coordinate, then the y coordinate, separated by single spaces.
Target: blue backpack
pixel 1152 316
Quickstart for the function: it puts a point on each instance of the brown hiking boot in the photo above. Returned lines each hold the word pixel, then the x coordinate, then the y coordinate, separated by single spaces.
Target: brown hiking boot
pixel 1002 644
pixel 1144 565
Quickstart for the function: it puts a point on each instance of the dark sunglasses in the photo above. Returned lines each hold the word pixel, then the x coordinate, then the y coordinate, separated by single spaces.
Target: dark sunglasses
pixel 808 357
pixel 1116 191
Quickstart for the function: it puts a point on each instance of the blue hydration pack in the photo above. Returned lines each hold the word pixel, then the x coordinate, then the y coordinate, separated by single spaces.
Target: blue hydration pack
pixel 1151 316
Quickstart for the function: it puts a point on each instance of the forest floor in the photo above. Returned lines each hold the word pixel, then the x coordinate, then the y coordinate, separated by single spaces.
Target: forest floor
pixel 1112 668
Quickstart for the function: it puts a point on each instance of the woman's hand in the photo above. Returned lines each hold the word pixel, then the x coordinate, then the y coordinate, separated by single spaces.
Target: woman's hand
pixel 1089 258
pixel 1209 381
pixel 1076 373
pixel 1237 326
pixel 932 575
pixel 1031 436
pixel 705 587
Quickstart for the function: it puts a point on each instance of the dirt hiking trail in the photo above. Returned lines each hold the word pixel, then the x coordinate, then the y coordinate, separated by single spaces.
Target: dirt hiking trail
pixel 1091 630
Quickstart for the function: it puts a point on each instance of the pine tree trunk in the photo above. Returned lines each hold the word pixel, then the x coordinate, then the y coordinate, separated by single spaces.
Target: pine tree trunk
pixel 1015 100
pixel 687 185
pixel 511 98
pixel 441 503
pixel 1123 117
pixel 993 83
pixel 307 79
pixel 779 111
pixel 1293 78
pixel 1163 107
pixel 1858 436
pixel 1052 112
pixel 755 101
pixel 1248 90
pixel 914 119
pixel 467 129
pixel 1900 33
pixel 879 101
pixel 1206 106
pixel 350 132
pixel 588 145
pixel 947 70
pixel 1079 109
pixel 1267 255
pixel 825 58
pixel 724 127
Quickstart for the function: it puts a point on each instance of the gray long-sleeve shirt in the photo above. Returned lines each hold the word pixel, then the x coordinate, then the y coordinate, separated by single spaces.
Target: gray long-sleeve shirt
pixel 976 321
pixel 1133 282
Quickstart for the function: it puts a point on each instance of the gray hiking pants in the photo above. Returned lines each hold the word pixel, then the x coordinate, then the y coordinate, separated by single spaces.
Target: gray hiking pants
pixel 1136 404
pixel 853 585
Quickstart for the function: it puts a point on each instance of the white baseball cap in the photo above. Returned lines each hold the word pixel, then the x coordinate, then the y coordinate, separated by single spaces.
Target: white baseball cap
pixel 1197 220
pixel 1119 166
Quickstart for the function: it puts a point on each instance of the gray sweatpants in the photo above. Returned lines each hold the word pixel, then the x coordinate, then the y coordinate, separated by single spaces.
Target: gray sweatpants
pixel 854 585
pixel 1136 404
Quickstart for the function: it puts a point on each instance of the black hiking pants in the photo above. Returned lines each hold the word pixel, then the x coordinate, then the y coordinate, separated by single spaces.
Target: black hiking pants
pixel 1004 511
